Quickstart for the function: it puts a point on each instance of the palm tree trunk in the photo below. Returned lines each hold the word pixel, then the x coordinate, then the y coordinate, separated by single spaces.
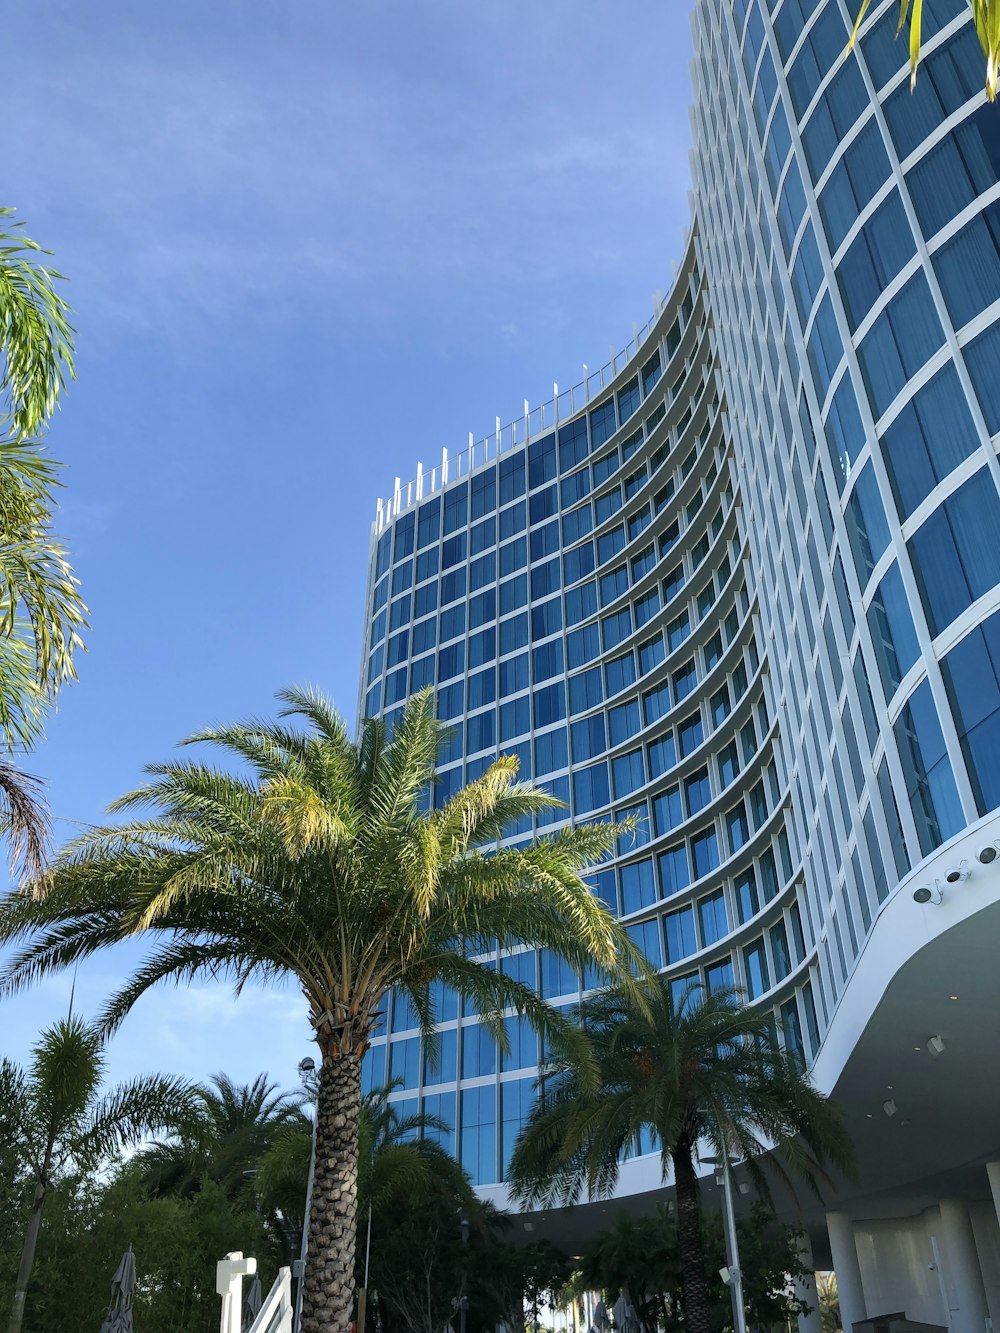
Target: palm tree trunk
pixel 328 1281
pixel 27 1260
pixel 697 1315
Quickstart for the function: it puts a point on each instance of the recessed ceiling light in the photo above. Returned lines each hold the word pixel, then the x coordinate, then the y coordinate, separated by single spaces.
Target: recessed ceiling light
pixel 952 997
pixel 870 1116
pixel 916 1048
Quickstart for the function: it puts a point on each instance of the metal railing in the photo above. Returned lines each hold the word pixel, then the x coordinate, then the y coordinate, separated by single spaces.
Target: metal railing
pixel 533 422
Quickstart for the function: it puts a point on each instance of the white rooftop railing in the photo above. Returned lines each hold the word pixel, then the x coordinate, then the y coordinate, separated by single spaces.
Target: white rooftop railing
pixel 533 422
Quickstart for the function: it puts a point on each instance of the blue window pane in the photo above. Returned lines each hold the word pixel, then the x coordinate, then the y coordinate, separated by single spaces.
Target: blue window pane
pixel 825 348
pixel 948 78
pixel 623 722
pixel 582 645
pixel 404 1061
pixel 844 430
pixel 956 170
pixel 545 541
pixel 853 183
pixel 690 734
pixel 551 752
pixel 591 788
pixel 929 438
pixel 680 932
pixel 620 673
pixel 542 464
pixel 511 478
pixel 930 783
pixel 602 423
pixel 513 520
pixel 646 934
pixel 572 444
pixel 481 731
pixel 674 871
pixel 546 619
pixel 712 918
pixel 837 110
pixel 456 507
pixel 867 527
pixel 982 356
pixel 589 739
pixel 968 266
pixel 585 690
pixel 578 563
pixel 956 553
pixel 549 704
pixel 638 885
pixel 756 970
pixel 704 852
pixel 482 571
pixel 668 811
pixel 972 677
pixel 482 688
pixel 651 654
pixel 879 251
pixel 662 755
pixel 906 333
pixel 892 631
pixel 479 1134
pixel 581 603
pixel 513 634
pixel 547 661
pixel 482 607
pixel 429 522
pixel 514 719
pixel 629 773
pixel 483 536
pixel 544 580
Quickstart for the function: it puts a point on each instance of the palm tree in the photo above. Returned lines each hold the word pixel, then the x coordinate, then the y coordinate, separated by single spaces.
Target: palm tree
pixel 54 1117
pixel 316 864
pixel 985 15
pixel 41 613
pixel 233 1126
pixel 704 1069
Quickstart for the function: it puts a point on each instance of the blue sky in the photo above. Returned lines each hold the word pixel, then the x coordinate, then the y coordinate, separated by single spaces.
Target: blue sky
pixel 309 244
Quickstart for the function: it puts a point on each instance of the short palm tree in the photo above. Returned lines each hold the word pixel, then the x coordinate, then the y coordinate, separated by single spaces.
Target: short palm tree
pixel 985 15
pixel 54 1116
pixel 705 1069
pixel 233 1125
pixel 318 865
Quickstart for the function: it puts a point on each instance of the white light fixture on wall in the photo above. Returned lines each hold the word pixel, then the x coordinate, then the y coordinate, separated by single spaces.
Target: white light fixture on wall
pixel 927 894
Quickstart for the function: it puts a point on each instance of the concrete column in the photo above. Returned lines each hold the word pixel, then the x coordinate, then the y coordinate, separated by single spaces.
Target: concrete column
pixel 963 1276
pixel 844 1250
pixel 805 1288
pixel 993 1171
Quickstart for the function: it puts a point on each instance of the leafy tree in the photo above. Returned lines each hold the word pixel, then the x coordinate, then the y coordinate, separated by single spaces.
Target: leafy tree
pixel 985 15
pixel 317 864
pixel 55 1119
pixel 639 1257
pixel 41 613
pixel 91 1220
pixel 707 1068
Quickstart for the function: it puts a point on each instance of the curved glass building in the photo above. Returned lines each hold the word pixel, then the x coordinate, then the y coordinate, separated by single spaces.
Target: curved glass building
pixel 745 582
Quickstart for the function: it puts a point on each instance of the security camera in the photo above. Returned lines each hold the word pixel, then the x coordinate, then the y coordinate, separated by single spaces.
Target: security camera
pixel 986 855
pixel 728 1275
pixel 926 894
pixel 957 873
pixel 931 1268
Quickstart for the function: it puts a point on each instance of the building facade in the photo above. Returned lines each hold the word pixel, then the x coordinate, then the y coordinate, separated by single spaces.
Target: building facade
pixel 745 583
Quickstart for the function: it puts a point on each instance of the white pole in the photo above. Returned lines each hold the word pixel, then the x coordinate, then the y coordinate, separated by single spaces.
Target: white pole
pixel 732 1249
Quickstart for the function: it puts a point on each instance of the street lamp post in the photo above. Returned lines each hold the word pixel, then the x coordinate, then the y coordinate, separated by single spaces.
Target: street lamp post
pixel 735 1277
pixel 463 1302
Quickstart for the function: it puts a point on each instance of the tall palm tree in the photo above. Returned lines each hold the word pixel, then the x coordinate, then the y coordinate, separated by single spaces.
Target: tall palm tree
pixel 232 1127
pixel 706 1069
pixel 54 1116
pixel 41 612
pixel 316 864
pixel 985 15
